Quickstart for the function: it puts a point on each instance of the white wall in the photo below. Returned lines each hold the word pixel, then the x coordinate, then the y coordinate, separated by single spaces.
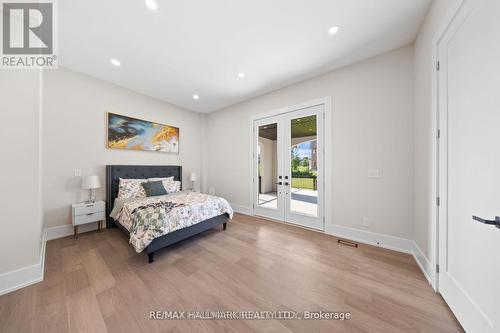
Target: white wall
pixel 425 69
pixel 74 124
pixel 267 165
pixel 372 128
pixel 20 167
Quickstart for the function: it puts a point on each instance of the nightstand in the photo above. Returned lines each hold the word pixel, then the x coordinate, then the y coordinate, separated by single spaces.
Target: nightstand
pixel 85 212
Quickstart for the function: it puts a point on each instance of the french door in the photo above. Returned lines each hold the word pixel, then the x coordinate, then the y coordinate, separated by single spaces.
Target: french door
pixel 288 167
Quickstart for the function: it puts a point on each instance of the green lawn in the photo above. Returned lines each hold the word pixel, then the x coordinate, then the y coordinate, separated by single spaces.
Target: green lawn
pixel 305 183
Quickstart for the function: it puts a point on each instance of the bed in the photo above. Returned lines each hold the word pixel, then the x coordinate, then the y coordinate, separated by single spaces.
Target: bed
pixel 115 172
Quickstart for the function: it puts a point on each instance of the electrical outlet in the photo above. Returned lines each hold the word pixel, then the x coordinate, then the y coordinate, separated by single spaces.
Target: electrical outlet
pixel 211 190
pixel 366 222
pixel 78 172
pixel 374 173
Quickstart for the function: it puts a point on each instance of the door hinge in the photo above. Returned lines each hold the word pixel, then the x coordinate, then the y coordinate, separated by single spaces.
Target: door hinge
pixel 437 268
pixel 439 134
pixel 438 201
pixel 438 65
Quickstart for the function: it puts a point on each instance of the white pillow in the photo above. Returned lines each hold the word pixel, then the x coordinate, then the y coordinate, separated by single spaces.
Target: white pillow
pixel 131 188
pixel 164 180
pixel 172 187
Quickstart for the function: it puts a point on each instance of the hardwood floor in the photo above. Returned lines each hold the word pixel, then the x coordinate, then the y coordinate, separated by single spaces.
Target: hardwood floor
pixel 97 283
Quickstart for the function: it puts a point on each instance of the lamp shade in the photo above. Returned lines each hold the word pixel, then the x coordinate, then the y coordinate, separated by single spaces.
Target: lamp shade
pixel 89 182
pixel 193 177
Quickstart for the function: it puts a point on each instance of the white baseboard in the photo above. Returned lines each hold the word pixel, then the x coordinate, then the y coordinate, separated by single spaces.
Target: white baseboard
pixel 25 276
pixel 371 238
pixel 241 209
pixel 425 265
pixel 65 230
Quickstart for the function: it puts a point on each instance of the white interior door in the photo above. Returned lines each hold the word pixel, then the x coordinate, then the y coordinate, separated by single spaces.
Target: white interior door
pixel 469 117
pixel 288 167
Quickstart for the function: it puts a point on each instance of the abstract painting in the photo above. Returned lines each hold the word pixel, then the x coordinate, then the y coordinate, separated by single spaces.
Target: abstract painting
pixel 135 134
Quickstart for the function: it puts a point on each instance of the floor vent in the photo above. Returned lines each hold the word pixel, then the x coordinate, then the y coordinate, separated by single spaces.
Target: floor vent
pixel 347 242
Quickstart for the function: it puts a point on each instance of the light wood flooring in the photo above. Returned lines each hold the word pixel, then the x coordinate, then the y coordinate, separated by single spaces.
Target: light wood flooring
pixel 97 283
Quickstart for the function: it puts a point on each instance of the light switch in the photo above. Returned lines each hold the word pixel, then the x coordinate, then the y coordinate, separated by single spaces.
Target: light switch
pixel 78 172
pixel 374 173
pixel 366 222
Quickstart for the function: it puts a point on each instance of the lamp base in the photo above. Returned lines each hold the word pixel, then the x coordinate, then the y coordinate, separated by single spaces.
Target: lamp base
pixel 91 197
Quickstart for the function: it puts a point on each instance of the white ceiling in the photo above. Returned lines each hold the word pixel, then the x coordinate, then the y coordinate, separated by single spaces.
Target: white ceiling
pixel 191 47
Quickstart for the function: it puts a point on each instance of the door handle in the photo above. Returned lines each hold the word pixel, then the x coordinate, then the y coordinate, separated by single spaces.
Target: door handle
pixel 495 222
pixel 287 184
pixel 278 183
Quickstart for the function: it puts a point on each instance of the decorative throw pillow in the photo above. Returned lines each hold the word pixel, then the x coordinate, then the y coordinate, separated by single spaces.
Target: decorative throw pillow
pixel 131 188
pixel 173 187
pixel 166 181
pixel 153 189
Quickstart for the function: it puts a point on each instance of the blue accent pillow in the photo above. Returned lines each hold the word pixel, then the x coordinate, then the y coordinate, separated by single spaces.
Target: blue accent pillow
pixel 155 188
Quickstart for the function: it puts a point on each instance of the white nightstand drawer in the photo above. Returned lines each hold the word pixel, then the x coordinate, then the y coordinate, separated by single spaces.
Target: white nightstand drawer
pixel 85 209
pixel 88 218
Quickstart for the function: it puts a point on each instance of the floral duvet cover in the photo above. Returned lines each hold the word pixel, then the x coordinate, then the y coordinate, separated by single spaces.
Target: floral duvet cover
pixel 152 217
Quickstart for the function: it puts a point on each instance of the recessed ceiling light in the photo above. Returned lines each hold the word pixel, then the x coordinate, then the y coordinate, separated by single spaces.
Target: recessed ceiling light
pixel 241 74
pixel 115 62
pixel 151 4
pixel 333 30
pixel 196 97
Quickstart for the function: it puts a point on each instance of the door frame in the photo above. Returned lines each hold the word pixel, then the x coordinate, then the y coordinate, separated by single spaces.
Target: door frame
pixel 327 158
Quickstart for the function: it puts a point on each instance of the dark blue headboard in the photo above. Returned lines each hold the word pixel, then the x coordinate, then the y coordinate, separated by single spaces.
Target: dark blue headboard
pixel 115 172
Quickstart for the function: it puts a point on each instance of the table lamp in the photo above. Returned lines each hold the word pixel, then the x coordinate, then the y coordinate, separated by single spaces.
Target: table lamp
pixel 91 183
pixel 193 179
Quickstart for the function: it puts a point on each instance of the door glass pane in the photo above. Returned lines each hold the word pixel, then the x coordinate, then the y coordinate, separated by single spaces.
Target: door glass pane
pixel 304 166
pixel 267 166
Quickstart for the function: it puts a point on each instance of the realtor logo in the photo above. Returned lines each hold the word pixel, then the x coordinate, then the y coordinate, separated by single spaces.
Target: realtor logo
pixel 28 35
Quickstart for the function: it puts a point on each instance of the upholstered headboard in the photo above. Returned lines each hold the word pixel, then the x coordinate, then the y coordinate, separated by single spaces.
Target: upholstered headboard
pixel 115 172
